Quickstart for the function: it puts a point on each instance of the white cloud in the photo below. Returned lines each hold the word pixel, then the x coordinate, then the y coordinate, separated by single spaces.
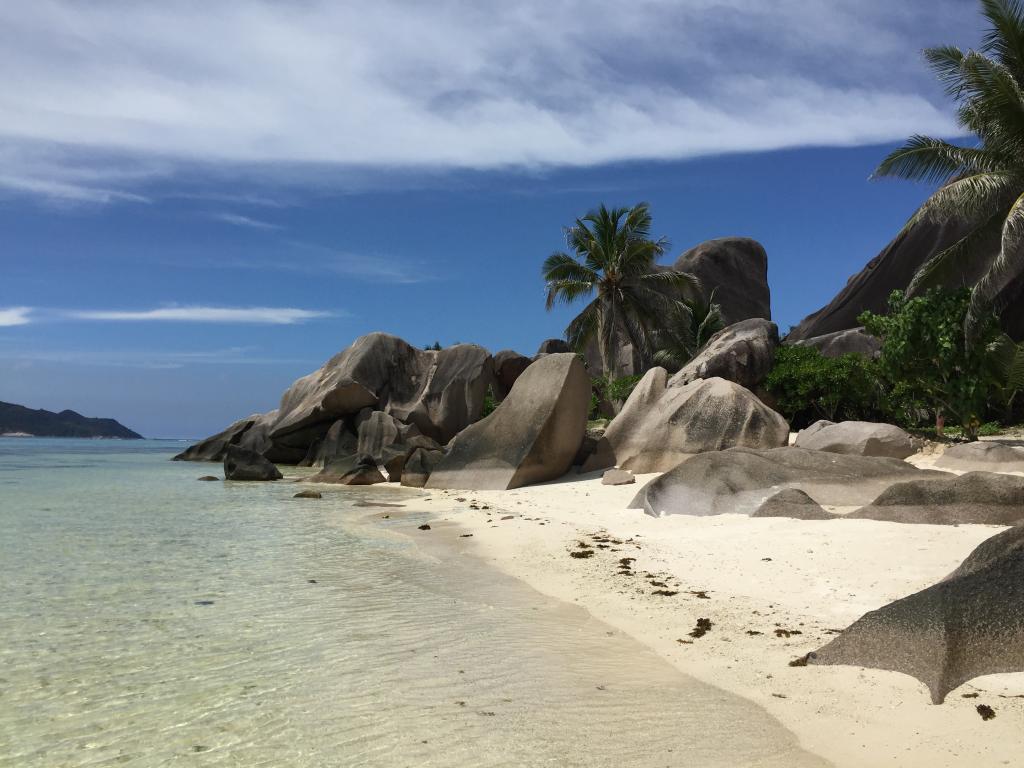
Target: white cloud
pixel 238 220
pixel 110 95
pixel 198 314
pixel 10 316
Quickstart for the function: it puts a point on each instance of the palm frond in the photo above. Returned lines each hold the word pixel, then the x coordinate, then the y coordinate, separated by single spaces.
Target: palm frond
pixel 955 262
pixel 935 161
pixel 1007 265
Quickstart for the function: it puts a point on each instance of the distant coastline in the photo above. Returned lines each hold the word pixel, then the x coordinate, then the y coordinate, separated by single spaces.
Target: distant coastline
pixel 19 421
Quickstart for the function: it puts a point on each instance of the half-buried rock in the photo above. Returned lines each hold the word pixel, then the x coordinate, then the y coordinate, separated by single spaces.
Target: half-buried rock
pixel 793 503
pixel 976 497
pixel 969 624
pixel 857 438
pixel 985 456
pixel 531 437
pixel 740 480
pixel 618 477
pixel 243 464
pixel 661 426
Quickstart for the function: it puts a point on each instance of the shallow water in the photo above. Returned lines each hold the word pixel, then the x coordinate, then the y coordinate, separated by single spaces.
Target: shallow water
pixel 150 620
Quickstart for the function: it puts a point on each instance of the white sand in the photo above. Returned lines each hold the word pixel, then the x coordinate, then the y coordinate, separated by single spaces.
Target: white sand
pixel 760 575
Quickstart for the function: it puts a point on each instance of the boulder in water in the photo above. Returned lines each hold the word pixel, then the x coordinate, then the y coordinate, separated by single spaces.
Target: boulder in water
pixel 243 464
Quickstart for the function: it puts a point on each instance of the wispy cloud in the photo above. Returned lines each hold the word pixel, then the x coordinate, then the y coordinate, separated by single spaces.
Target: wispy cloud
pixel 147 358
pixel 11 316
pixel 238 220
pixel 112 96
pixel 200 314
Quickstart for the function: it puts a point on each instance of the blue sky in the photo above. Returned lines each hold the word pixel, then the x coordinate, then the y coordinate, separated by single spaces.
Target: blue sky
pixel 198 206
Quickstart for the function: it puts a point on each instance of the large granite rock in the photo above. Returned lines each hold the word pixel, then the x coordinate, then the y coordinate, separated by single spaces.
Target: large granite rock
pixel 969 624
pixel 857 438
pixel 215 448
pixel 438 392
pixel 508 367
pixel 976 497
pixel 350 470
pixel 893 269
pixel 661 425
pixel 419 465
pixel 793 503
pixel 339 442
pixel 531 437
pixel 984 456
pixel 553 347
pixel 743 352
pixel 736 269
pixel 853 341
pixel 243 464
pixel 740 480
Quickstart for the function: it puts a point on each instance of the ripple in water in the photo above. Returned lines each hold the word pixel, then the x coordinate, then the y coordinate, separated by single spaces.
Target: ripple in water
pixel 151 620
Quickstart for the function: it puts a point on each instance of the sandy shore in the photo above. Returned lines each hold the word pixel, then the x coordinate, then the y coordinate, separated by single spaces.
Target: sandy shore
pixel 773 589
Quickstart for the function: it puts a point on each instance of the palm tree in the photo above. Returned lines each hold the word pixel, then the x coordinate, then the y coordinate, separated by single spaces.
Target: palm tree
pixel 613 255
pixel 690 327
pixel 982 184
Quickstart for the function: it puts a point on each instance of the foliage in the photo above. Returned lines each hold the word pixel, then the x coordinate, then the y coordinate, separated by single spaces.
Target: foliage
pixel 613 256
pixel 927 359
pixel 618 390
pixel 982 184
pixel 808 386
pixel 489 405
pixel 435 347
pixel 1008 357
pixel 690 326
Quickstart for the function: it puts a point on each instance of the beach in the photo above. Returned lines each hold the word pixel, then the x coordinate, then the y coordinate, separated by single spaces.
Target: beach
pixel 773 589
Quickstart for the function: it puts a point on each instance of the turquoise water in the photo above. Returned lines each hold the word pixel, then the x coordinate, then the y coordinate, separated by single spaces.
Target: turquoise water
pixel 152 620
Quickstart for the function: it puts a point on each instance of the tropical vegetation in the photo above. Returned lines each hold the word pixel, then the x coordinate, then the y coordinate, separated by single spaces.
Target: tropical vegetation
pixel 982 185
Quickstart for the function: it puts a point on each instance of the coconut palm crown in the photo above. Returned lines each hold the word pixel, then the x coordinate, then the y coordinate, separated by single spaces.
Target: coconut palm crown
pixel 613 256
pixel 982 184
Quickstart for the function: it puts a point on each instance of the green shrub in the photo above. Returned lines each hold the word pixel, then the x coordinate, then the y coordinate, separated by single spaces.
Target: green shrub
pixel 808 386
pixel 927 358
pixel 619 390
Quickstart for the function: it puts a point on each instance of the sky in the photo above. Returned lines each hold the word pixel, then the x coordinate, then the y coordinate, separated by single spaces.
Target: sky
pixel 201 202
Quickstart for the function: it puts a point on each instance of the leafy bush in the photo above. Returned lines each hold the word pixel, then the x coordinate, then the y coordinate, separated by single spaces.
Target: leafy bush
pixel 808 386
pixel 619 390
pixel 927 358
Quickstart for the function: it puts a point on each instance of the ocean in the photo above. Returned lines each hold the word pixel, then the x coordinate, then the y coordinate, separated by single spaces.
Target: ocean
pixel 148 619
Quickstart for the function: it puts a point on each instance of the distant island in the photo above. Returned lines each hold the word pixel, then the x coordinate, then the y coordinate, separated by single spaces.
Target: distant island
pixel 19 421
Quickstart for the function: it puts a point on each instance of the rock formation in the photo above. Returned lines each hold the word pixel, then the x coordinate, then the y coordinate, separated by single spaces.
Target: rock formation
pixel 418 467
pixel 857 438
pixel 531 437
pixel 740 480
pixel 243 464
pixel 794 503
pixel 743 353
pixel 214 448
pixel 438 393
pixel 976 497
pixel 990 456
pixel 854 341
pixel 736 269
pixel 508 367
pixel 969 624
pixel 661 425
